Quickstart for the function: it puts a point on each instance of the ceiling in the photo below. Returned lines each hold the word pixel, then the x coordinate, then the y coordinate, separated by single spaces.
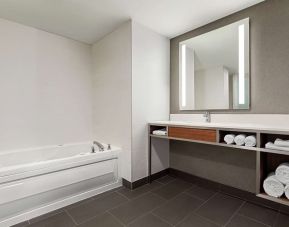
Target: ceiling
pixel 90 20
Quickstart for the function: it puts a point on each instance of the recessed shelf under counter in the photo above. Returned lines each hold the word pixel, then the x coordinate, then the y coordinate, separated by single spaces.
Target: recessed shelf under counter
pixel 213 134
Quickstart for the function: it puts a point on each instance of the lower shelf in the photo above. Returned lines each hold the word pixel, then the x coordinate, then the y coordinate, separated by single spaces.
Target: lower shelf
pixel 282 200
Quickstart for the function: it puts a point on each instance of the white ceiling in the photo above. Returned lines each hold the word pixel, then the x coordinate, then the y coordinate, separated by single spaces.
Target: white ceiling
pixel 89 20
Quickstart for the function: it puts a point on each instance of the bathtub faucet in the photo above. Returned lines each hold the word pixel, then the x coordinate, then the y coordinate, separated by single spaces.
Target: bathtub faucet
pixel 99 145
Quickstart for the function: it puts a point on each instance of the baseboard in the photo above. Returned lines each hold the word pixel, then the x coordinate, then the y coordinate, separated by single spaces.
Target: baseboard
pixel 229 190
pixel 145 180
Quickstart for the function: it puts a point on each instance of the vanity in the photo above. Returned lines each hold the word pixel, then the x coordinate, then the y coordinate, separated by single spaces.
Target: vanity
pixel 267 160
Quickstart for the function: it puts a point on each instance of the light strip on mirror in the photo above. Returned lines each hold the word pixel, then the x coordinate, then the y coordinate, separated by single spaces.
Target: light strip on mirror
pixel 242 64
pixel 184 82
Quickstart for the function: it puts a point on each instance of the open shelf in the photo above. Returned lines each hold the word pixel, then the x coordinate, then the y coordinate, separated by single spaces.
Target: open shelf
pixel 282 200
pixel 273 151
pixel 268 163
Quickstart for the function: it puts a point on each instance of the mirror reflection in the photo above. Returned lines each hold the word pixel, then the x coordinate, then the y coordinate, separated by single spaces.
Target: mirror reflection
pixel 214 69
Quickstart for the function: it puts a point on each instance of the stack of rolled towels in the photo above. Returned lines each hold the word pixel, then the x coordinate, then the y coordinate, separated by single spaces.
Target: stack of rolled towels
pixel 278 144
pixel 276 184
pixel 241 140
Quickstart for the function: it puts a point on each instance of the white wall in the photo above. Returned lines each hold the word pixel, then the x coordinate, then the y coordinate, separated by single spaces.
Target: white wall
pixel 45 88
pixel 131 88
pixel 112 92
pixel 150 97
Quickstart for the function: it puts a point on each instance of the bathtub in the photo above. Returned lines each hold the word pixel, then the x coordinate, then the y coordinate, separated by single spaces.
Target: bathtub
pixel 39 180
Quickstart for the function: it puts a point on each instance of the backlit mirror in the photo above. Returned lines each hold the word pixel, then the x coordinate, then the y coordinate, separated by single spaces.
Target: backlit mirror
pixel 214 69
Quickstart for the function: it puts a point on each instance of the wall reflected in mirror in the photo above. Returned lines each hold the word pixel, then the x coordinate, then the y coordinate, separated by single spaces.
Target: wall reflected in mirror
pixel 214 69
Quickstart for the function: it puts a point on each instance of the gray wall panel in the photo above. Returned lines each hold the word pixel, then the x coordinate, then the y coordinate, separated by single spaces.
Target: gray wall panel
pixel 269 52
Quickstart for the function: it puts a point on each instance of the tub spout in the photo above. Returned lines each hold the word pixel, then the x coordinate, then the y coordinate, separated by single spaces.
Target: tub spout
pixel 99 145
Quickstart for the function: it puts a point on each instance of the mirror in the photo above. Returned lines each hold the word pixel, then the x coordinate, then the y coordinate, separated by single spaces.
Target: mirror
pixel 214 69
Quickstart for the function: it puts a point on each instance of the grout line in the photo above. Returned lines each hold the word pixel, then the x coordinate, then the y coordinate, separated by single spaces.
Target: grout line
pixel 192 212
pixel 161 219
pixel 195 197
pixel 235 213
pixel 207 200
pixel 70 216
pixel 148 212
pixel 252 219
pixel 116 218
pixel 276 221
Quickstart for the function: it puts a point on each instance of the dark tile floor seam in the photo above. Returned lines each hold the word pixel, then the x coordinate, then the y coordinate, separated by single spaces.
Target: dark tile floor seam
pixel 89 219
pixel 53 213
pixel 235 213
pixel 253 219
pixel 276 221
pixel 207 200
pixel 198 198
pixel 165 183
pixel 116 218
pixel 165 198
pixel 74 205
pixel 164 220
pixel 148 212
pixel 130 199
pixel 193 211
pixel 70 217
pixel 205 218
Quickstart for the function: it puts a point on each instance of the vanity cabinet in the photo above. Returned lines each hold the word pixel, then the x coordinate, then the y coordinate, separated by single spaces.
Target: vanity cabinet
pixel 267 160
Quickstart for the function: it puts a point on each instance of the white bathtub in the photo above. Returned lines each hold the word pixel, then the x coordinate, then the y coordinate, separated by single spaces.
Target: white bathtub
pixel 39 180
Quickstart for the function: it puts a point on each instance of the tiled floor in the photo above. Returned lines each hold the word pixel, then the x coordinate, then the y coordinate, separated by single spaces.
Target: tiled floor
pixel 166 202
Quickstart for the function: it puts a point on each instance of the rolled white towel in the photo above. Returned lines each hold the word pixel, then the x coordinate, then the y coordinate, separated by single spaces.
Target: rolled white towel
pixel 270 145
pixel 287 191
pixel 281 143
pixel 282 173
pixel 229 138
pixel 250 141
pixel 240 139
pixel 160 132
pixel 272 186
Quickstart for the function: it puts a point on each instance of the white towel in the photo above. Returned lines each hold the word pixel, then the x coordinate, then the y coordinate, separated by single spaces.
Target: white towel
pixel 250 141
pixel 160 132
pixel 287 191
pixel 270 145
pixel 281 143
pixel 229 138
pixel 273 187
pixel 282 173
pixel 240 139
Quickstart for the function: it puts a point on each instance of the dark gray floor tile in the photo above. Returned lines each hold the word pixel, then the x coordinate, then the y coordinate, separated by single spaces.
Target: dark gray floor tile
pixel 107 193
pixel 166 179
pixel 135 208
pixel 57 220
pixel 201 192
pixel 242 221
pixel 219 208
pixel 131 194
pixel 95 207
pixel 282 221
pixel 194 220
pixel 103 220
pixel 172 189
pixel 178 208
pixel 261 214
pixel 44 216
pixel 22 224
pixel 77 204
pixel 149 220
